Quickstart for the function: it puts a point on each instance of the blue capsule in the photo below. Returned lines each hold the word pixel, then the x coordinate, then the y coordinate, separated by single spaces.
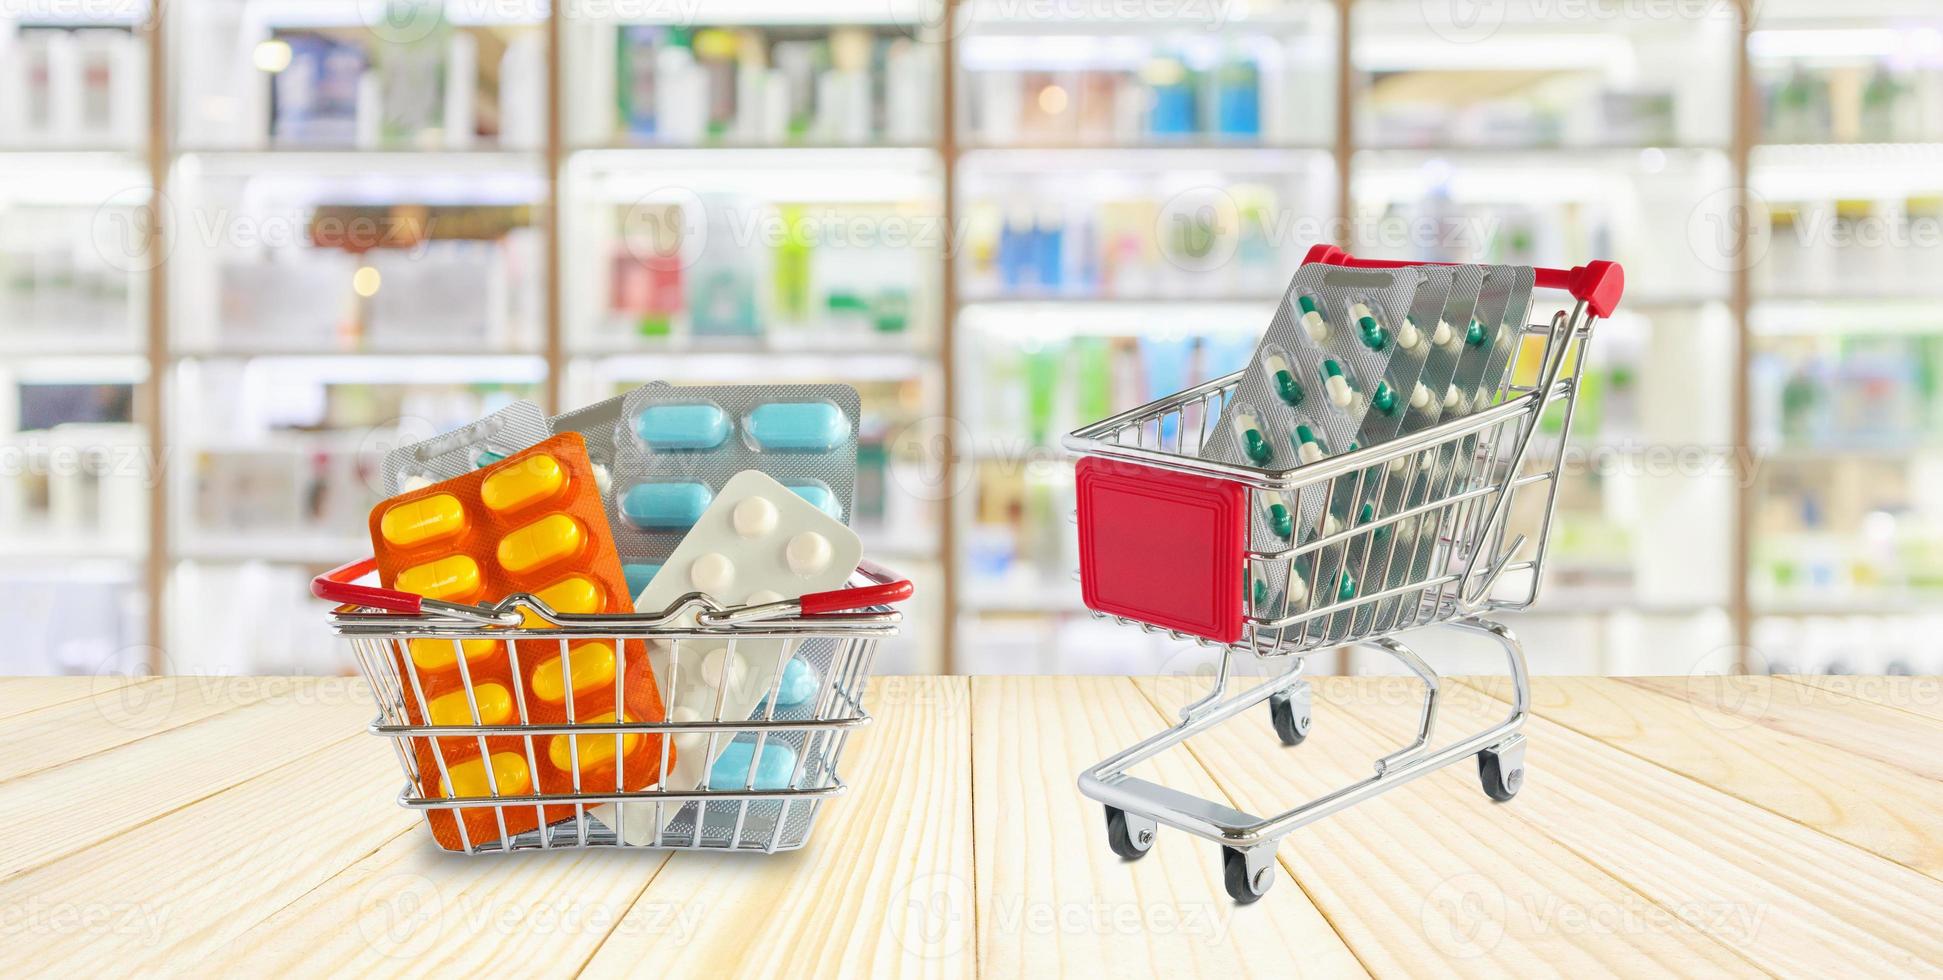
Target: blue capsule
pixel 663 427
pixel 798 426
pixel 665 505
pixel 819 495
pixel 731 768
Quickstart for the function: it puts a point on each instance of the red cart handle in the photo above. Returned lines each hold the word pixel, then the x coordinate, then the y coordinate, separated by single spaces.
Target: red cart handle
pixel 337 585
pixel 1598 285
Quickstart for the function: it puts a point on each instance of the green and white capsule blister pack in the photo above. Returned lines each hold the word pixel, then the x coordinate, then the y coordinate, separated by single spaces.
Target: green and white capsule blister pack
pixel 1491 338
pixel 1304 397
pixel 668 450
pixel 520 425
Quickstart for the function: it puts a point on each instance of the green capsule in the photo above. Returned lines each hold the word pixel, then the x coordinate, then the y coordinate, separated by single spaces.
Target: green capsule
pixel 1308 304
pixel 1305 434
pixel 1261 593
pixel 1375 337
pixel 1281 521
pixel 1369 514
pixel 1345 587
pixel 1288 388
pixel 1475 335
pixel 1384 398
pixel 1256 445
pixel 486 458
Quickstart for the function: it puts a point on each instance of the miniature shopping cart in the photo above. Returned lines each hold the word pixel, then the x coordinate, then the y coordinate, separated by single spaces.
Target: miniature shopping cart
pixel 834 633
pixel 1164 546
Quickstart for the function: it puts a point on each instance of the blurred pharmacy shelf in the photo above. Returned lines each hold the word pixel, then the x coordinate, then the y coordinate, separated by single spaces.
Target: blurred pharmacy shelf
pixel 1000 221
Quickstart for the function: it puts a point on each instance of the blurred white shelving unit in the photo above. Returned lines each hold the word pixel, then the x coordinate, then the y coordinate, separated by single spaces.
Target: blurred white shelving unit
pixel 1096 207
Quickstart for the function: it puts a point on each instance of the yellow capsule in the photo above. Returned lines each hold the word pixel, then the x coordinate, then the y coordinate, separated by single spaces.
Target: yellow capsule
pixel 523 483
pixel 422 521
pixel 574 594
pixel 509 771
pixel 592 667
pixel 434 654
pixel 454 578
pixel 543 542
pixel 595 750
pixel 495 706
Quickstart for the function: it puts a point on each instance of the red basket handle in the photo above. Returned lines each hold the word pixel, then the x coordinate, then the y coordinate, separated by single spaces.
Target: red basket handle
pixel 889 589
pixel 1598 285
pixel 337 585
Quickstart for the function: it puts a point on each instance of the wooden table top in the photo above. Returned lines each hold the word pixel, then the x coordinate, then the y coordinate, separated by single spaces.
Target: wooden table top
pixel 1768 826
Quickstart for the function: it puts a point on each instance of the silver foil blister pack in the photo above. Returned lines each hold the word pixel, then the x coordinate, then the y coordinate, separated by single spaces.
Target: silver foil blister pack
pixel 667 450
pixel 482 442
pixel 1305 396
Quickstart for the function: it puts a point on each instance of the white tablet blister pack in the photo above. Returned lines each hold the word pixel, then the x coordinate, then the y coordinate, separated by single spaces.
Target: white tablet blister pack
pixel 757 542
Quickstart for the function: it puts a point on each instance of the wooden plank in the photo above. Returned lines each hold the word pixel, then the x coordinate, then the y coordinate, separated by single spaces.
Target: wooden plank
pixel 1903 739
pixel 1053 898
pixel 118 714
pixel 1791 899
pixel 62 809
pixel 882 888
pixel 1431 879
pixel 1919 695
pixel 171 892
pixel 20 695
pixel 1871 804
pixel 410 908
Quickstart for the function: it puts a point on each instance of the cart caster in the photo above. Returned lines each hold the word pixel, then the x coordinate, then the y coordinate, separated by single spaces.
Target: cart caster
pixel 1290 713
pixel 1129 834
pixel 1248 873
pixel 1502 768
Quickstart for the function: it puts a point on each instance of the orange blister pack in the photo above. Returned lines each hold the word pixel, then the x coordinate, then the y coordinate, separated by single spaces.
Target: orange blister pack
pixel 532 523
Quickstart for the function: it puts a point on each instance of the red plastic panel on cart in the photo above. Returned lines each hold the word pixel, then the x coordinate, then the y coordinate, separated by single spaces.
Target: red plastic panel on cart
pixel 1162 548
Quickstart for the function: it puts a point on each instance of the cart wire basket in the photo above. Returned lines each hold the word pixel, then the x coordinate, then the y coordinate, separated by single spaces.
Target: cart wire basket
pixel 763 808
pixel 1458 526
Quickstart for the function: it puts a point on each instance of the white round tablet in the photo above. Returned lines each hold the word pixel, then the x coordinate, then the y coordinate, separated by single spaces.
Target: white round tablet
pixel 754 517
pixel 761 596
pixel 712 573
pixel 808 553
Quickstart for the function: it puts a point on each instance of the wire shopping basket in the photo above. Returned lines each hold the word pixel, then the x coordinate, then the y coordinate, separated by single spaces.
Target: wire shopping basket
pixel 760 808
pixel 1474 533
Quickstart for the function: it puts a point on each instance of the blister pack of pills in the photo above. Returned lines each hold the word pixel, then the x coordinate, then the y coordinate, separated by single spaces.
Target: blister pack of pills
pixel 669 450
pixel 531 523
pixel 758 541
pixel 464 449
pixel 1335 371
pixel 1472 380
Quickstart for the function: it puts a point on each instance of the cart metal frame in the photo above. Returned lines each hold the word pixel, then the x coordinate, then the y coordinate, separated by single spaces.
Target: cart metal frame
pixel 1488 475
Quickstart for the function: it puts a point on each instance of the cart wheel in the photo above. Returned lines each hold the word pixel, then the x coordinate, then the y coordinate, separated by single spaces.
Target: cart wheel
pixel 1502 770
pixel 1291 718
pixel 1130 835
pixel 1247 880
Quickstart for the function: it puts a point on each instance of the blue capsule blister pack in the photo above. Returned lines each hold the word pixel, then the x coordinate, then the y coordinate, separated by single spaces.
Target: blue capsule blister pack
pixel 664 452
